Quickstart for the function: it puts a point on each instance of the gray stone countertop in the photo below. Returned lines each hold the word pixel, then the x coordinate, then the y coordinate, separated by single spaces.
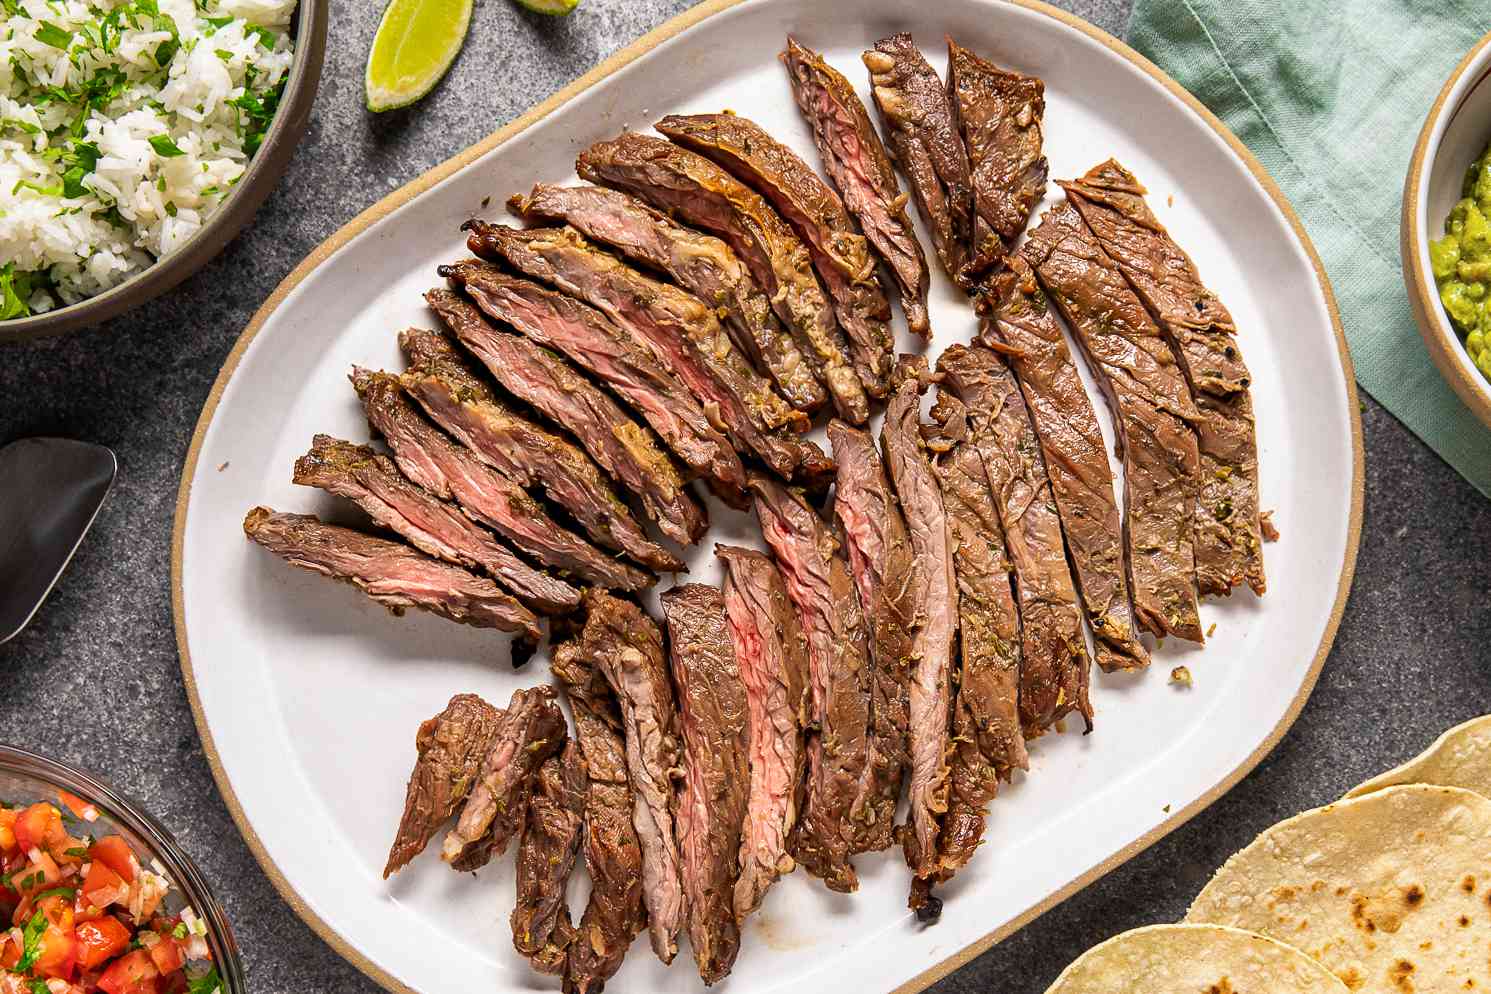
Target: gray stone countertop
pixel 95 680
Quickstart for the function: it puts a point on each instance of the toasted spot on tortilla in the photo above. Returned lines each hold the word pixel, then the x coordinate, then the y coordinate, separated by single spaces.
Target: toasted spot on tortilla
pixel 1399 973
pixel 1468 884
pixel 1413 895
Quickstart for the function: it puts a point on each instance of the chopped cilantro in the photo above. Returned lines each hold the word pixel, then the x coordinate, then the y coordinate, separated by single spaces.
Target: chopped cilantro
pixel 170 209
pixel 207 983
pixel 165 147
pixel 50 34
pixel 13 8
pixel 81 161
pixel 40 987
pixel 57 892
pixel 265 36
pixel 45 191
pixel 179 932
pixel 77 852
pixel 31 942
pixel 25 126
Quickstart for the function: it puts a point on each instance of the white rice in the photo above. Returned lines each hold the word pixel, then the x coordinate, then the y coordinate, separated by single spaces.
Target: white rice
pixel 141 199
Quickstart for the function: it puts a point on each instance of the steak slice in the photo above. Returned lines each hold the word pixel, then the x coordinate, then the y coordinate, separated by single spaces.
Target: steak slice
pixel 702 264
pixel 935 590
pixel 531 456
pixel 1017 321
pixel 431 525
pixel 548 384
pixel 431 460
pixel 614 915
pixel 773 659
pixel 681 330
pixel 391 573
pixel 625 646
pixel 531 730
pixel 450 748
pixel 1153 411
pixel 1054 666
pixel 822 591
pixel 629 368
pixel 999 115
pixel 712 799
pixel 860 167
pixel 696 191
pixel 880 558
pixel 1200 330
pixel 923 130
pixel 987 742
pixel 840 254
pixel 546 854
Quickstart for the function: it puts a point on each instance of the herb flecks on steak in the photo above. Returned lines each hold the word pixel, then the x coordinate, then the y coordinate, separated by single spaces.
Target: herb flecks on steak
pixel 629 368
pixel 547 847
pixel 929 693
pixel 881 560
pixel 530 731
pixel 860 167
pixel 434 527
pixel 1018 321
pixel 429 458
pixel 1201 332
pixel 625 646
pixel 614 914
pixel 924 138
pixel 999 114
pixel 696 191
pixel 716 782
pixel 1152 408
pixel 537 459
pixel 450 748
pixel 1054 668
pixel 624 449
pixel 841 255
pixel 701 264
pixel 773 658
pixel 391 573
pixel 683 332
pixel 822 591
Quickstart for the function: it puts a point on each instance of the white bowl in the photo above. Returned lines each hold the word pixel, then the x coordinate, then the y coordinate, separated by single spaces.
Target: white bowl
pixel 1455 133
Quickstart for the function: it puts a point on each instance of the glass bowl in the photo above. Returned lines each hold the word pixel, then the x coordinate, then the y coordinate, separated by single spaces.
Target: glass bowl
pixel 26 778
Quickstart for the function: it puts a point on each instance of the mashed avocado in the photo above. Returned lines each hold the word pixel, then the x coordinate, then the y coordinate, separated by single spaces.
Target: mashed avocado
pixel 1462 263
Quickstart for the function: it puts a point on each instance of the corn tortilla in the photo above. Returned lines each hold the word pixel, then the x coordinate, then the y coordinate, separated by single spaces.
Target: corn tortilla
pixel 1389 891
pixel 1195 959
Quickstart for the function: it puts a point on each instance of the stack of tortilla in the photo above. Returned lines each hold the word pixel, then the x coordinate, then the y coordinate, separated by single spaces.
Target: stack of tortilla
pixel 1388 889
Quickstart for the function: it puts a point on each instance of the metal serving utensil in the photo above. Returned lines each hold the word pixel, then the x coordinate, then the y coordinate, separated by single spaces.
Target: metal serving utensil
pixel 50 491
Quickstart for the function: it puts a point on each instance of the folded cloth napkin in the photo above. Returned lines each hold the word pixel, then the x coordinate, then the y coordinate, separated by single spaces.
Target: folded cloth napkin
pixel 1331 95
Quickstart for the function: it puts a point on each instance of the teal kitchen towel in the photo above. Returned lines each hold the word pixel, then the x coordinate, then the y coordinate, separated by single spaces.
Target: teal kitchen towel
pixel 1331 95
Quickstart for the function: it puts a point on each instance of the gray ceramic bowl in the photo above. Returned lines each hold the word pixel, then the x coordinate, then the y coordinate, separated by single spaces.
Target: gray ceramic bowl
pixel 263 172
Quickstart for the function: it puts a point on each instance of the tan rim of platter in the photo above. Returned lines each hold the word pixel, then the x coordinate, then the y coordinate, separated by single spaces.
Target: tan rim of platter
pixel 620 59
pixel 1422 295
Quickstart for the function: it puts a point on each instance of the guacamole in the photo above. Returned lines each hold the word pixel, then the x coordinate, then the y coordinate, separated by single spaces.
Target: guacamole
pixel 1462 263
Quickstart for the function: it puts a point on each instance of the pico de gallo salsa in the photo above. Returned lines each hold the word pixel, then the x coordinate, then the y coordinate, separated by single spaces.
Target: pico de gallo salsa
pixel 86 916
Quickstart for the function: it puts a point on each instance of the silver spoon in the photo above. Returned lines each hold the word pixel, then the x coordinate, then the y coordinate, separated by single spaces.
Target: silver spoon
pixel 50 491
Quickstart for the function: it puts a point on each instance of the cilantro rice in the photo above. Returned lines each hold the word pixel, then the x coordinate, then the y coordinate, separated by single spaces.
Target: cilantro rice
pixel 124 124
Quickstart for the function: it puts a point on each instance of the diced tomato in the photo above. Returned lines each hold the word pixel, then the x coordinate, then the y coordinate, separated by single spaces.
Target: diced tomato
pixel 78 806
pixel 100 941
pixel 10 951
pixel 36 825
pixel 115 853
pixel 59 954
pixel 132 973
pixel 102 886
pixel 8 832
pixel 166 955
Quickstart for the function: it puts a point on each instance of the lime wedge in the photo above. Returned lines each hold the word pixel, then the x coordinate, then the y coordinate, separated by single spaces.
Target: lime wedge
pixel 556 7
pixel 417 41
